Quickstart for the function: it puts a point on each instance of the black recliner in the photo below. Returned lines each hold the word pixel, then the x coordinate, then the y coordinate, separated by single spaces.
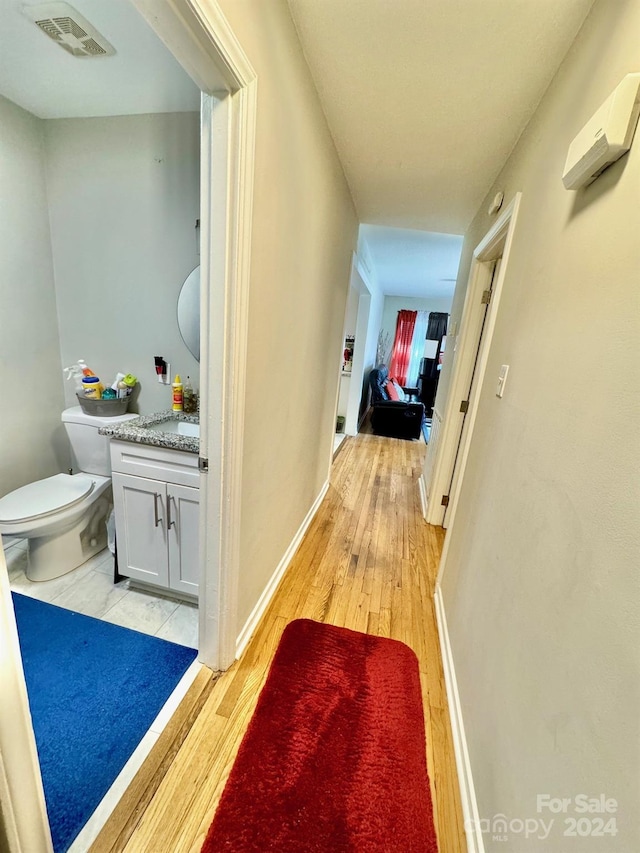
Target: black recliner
pixel 393 418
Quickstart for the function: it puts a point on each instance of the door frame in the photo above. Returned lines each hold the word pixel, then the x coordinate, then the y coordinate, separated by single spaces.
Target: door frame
pixel 198 35
pixel 363 312
pixel 495 244
pixel 23 817
pixel 471 394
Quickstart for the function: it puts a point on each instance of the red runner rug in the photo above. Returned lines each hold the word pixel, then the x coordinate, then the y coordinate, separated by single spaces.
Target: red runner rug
pixel 333 760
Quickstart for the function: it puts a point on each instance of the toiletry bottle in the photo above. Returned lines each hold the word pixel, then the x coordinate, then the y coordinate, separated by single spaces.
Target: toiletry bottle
pixel 189 399
pixel 93 388
pixel 75 372
pixel 129 381
pixel 177 394
pixel 119 378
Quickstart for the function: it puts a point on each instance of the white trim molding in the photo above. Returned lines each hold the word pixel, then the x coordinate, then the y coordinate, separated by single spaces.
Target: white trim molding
pixel 24 813
pixel 225 391
pixel 471 817
pixel 422 489
pixel 268 592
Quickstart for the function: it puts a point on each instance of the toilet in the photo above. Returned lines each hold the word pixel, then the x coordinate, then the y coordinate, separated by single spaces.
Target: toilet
pixel 64 516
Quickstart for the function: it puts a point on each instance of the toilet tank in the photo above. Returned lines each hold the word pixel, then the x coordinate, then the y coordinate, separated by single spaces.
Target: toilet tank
pixel 89 451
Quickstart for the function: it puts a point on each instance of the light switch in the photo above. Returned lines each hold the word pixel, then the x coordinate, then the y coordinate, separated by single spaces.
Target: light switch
pixel 502 380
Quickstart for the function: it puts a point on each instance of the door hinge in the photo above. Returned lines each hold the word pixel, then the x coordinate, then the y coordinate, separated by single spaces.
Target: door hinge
pixel 486 297
pixel 203 464
pixel 464 406
pixel 445 500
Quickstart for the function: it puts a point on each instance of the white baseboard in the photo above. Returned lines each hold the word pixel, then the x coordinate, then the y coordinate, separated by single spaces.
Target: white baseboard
pixel 472 826
pixel 267 594
pixel 423 495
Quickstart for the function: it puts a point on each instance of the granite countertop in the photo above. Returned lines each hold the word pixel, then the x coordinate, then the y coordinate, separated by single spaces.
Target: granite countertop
pixel 138 430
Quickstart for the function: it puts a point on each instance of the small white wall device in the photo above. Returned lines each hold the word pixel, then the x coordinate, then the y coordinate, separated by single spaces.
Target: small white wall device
pixel 605 137
pixel 502 380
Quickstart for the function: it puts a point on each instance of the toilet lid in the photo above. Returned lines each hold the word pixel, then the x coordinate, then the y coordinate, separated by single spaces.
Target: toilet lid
pixel 44 497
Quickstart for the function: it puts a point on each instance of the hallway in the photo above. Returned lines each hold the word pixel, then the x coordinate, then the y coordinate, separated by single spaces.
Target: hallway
pixel 367 562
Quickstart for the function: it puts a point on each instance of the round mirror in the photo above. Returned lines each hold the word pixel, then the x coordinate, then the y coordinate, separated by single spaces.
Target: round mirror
pixel 189 312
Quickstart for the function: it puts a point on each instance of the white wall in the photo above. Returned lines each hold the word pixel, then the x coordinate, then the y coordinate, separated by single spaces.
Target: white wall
pixel 393 304
pixel 541 584
pixel 304 234
pixel 32 442
pixel 117 198
pixel 124 198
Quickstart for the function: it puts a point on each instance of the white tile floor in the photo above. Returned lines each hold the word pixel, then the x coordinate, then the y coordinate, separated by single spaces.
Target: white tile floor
pixel 90 590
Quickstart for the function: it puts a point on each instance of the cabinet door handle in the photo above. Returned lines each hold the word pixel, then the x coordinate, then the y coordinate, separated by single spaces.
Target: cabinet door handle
pixel 156 518
pixel 170 521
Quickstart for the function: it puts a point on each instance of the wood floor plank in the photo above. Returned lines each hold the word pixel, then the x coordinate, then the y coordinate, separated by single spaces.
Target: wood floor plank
pixel 145 783
pixel 368 562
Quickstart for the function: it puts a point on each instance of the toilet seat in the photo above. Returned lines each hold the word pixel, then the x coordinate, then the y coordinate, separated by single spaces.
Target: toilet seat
pixel 45 497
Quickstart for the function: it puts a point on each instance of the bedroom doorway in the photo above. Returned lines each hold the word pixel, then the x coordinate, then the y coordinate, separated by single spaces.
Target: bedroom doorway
pixel 452 430
pixel 470 393
pixel 353 379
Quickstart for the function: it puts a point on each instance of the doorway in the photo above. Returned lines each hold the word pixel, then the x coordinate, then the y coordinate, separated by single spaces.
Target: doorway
pixel 352 396
pixel 454 418
pixel 470 394
pixel 364 314
pixel 209 52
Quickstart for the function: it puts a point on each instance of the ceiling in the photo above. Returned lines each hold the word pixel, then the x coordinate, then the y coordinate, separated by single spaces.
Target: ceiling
pixel 426 98
pixel 143 77
pixel 413 263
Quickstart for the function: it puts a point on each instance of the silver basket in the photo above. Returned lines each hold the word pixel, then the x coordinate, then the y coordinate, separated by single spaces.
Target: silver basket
pixel 103 408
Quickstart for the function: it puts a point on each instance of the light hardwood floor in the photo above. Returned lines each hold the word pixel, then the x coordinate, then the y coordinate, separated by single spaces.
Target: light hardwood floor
pixel 367 562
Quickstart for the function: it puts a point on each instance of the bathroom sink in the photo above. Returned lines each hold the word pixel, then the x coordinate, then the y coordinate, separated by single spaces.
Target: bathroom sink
pixel 177 427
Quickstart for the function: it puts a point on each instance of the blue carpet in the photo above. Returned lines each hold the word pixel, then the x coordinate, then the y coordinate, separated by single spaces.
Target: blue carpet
pixel 94 689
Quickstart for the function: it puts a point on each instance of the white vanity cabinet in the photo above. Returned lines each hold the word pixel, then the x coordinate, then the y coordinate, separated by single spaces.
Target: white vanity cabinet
pixel 156 501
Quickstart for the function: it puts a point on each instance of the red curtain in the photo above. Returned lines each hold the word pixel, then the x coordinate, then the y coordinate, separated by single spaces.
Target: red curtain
pixel 401 352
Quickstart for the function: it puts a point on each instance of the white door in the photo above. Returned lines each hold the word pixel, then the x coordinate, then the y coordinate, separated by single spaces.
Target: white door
pixel 472 389
pixel 445 463
pixel 140 506
pixel 183 515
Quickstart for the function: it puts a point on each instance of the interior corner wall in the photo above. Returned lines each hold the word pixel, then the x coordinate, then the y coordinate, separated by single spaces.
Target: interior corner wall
pixel 541 585
pixel 124 196
pixel 350 321
pixel 31 434
pixel 375 325
pixel 304 234
pixel 367 273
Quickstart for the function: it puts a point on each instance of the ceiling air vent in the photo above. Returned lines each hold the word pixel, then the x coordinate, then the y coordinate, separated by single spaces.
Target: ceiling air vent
pixel 68 28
